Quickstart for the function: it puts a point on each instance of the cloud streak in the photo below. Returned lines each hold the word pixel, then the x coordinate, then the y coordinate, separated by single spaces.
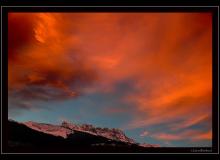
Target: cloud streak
pixel 187 135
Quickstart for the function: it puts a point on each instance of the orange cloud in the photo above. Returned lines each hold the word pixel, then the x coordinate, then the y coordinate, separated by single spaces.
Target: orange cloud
pixel 168 56
pixel 206 136
pixel 175 83
pixel 189 134
pixel 192 121
pixel 43 61
pixel 168 137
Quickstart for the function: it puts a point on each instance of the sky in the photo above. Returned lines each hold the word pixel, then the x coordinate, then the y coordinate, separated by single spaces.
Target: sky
pixel 149 74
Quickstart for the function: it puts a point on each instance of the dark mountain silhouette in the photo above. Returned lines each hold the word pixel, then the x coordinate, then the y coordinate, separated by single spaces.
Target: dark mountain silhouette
pixel 22 138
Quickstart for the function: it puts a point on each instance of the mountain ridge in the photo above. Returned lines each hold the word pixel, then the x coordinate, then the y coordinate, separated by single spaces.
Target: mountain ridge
pixel 69 137
pixel 67 128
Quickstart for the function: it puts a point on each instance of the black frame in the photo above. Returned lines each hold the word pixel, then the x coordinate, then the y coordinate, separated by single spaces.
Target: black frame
pixel 215 68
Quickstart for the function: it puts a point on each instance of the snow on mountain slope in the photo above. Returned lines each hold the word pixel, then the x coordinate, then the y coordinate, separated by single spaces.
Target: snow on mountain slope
pixel 67 128
pixel 114 134
pixel 49 129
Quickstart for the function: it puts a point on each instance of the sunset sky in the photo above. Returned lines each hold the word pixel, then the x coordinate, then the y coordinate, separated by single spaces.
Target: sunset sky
pixel 149 74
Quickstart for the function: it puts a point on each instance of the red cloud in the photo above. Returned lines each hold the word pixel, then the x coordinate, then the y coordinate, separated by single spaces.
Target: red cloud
pixel 42 65
pixel 191 135
pixel 167 55
pixel 204 136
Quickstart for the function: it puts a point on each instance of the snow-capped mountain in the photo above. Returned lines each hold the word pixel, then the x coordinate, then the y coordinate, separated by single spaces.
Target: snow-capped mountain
pixel 67 128
pixel 114 134
pixel 55 130
pixel 68 138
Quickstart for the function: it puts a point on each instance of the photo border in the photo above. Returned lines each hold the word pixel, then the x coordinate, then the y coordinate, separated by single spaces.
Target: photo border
pixel 161 150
